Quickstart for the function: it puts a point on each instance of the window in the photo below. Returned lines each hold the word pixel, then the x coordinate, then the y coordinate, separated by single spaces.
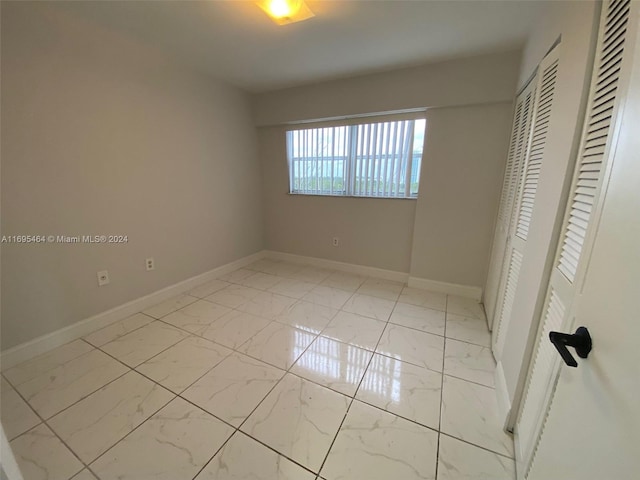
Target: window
pixel 380 159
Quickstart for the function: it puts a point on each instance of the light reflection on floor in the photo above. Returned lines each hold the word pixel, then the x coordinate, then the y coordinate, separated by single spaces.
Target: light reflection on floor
pixel 325 358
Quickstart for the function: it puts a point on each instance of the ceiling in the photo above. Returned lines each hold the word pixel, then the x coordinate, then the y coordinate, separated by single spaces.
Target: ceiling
pixel 236 42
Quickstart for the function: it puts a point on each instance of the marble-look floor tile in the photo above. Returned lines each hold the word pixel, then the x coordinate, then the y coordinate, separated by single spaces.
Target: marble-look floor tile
pixel 412 346
pixel 403 389
pixel 327 296
pixel 307 316
pixel 237 275
pixel 118 329
pixel 93 425
pixel 461 461
pixel 468 329
pixel 284 269
pixel 376 445
pixel 367 306
pixel 233 296
pixel 292 288
pixel 423 298
pixel 144 343
pixel 299 419
pixel 208 288
pixel 268 305
pixel 42 456
pixel 46 362
pixel 470 413
pixel 309 274
pixel 242 458
pixel 469 362
pixel 344 281
pixel 467 307
pixel 179 366
pixel 421 318
pixel 174 444
pixel 234 328
pixel 197 316
pixel 17 416
pixel 170 305
pixel 376 287
pixel 266 265
pixel 261 281
pixel 334 364
pixel 84 475
pixel 278 345
pixel 57 389
pixel 234 387
pixel 355 330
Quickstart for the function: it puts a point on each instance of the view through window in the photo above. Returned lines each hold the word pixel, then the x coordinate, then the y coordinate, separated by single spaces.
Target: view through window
pixel 381 159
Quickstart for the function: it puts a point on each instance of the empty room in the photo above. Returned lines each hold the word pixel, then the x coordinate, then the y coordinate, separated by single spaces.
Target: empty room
pixel 319 240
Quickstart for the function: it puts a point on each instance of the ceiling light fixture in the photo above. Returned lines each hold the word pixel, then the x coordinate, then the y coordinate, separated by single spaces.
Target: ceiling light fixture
pixel 284 12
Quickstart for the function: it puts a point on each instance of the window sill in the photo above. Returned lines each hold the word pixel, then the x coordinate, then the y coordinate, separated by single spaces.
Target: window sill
pixel 349 196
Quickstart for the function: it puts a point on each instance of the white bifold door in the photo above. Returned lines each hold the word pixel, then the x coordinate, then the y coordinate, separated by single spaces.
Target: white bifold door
pixel 534 108
pixel 584 422
pixel 512 176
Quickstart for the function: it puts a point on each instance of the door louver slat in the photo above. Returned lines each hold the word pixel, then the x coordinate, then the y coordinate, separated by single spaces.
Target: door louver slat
pixel 523 139
pixel 585 188
pixel 509 294
pixel 536 153
pixel 502 211
pixel 544 360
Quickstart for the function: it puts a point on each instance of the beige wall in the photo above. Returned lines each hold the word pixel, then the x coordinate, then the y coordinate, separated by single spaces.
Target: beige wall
pixel 101 135
pixel 372 232
pixel 464 158
pixel 481 79
pixel 574 22
pixel 380 232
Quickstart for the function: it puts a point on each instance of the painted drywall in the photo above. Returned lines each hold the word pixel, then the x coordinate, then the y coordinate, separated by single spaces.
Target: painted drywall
pixel 481 79
pixel 102 135
pixel 379 232
pixel 461 178
pixel 575 23
pixel 372 232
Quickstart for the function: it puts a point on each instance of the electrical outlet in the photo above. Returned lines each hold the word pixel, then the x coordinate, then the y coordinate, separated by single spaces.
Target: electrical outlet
pixel 336 241
pixel 150 264
pixel 103 278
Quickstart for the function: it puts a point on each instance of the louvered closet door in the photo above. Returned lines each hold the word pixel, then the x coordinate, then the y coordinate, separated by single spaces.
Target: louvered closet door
pixel 512 177
pixel 578 226
pixel 542 106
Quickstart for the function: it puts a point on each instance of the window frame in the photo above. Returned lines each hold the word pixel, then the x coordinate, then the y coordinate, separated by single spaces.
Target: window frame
pixel 352 124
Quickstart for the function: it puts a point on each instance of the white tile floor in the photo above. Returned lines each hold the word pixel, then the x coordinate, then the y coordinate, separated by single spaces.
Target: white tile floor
pixel 274 371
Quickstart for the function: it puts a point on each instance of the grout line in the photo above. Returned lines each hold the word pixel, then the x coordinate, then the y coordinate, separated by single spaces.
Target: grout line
pixel 446 305
pixel 286 372
pixel 478 446
pixel 434 429
pixel 83 338
pixel 469 381
pixel 355 393
pixel 130 369
pixel 237 429
pixel 44 422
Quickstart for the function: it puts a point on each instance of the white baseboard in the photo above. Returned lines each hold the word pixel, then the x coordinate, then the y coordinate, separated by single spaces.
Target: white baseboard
pixel 342 266
pixel 449 288
pixel 44 343
pixel 502 394
pixel 9 468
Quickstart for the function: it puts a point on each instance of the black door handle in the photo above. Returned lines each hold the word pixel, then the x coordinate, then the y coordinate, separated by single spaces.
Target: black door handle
pixel 581 341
